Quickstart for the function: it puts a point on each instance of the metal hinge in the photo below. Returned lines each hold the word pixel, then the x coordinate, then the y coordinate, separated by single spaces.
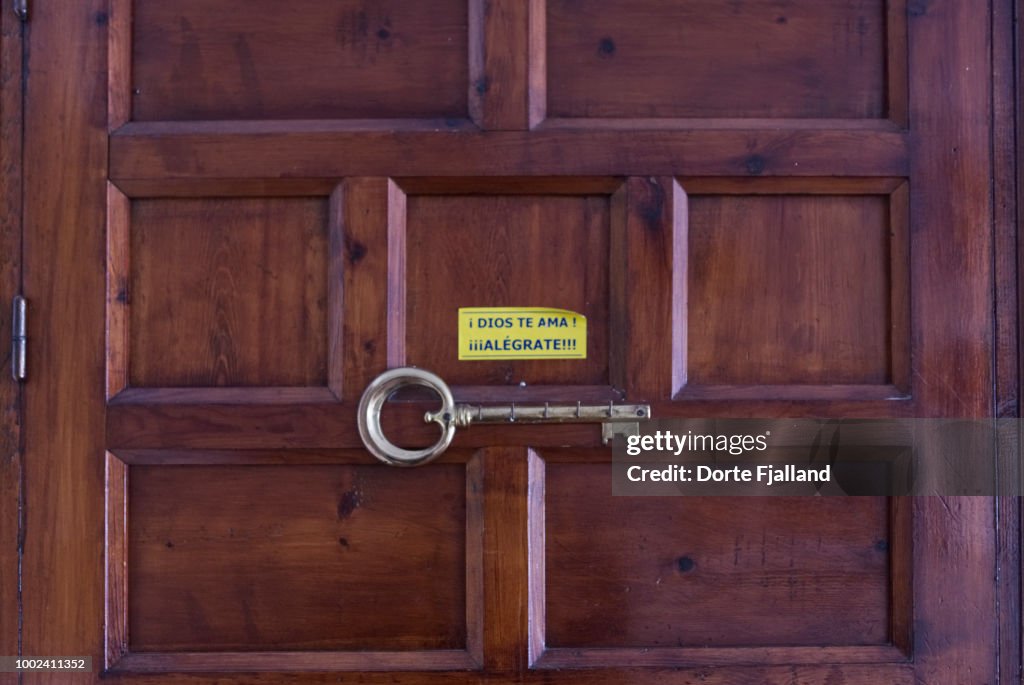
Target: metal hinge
pixel 19 339
pixel 21 9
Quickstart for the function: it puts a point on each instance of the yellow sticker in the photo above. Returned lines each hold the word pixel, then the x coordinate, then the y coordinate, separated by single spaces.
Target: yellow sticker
pixel 521 333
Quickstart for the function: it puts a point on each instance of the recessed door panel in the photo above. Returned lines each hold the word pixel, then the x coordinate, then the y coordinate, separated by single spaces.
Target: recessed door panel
pixel 289 557
pixel 713 59
pixel 308 60
pixel 227 292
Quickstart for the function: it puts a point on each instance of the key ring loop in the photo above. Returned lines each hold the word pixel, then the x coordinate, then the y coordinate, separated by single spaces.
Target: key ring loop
pixel 372 401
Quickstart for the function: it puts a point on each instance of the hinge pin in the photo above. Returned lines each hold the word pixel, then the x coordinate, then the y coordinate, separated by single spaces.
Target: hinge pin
pixel 19 339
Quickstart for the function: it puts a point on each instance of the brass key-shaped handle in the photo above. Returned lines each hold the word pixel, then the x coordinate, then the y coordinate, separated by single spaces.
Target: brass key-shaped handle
pixel 614 418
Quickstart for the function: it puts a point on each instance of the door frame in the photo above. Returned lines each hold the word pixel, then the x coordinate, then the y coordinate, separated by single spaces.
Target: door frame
pixel 11 476
pixel 1008 208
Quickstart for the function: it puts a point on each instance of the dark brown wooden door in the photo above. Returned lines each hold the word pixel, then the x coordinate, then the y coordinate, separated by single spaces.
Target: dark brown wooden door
pixel 237 214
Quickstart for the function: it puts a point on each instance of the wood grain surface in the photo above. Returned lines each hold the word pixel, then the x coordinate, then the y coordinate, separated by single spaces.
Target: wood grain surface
pixel 237 214
pixel 712 59
pixel 11 463
pixel 239 60
pixel 228 292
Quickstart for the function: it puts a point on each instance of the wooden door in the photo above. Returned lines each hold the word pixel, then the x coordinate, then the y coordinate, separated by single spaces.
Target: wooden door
pixel 237 214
